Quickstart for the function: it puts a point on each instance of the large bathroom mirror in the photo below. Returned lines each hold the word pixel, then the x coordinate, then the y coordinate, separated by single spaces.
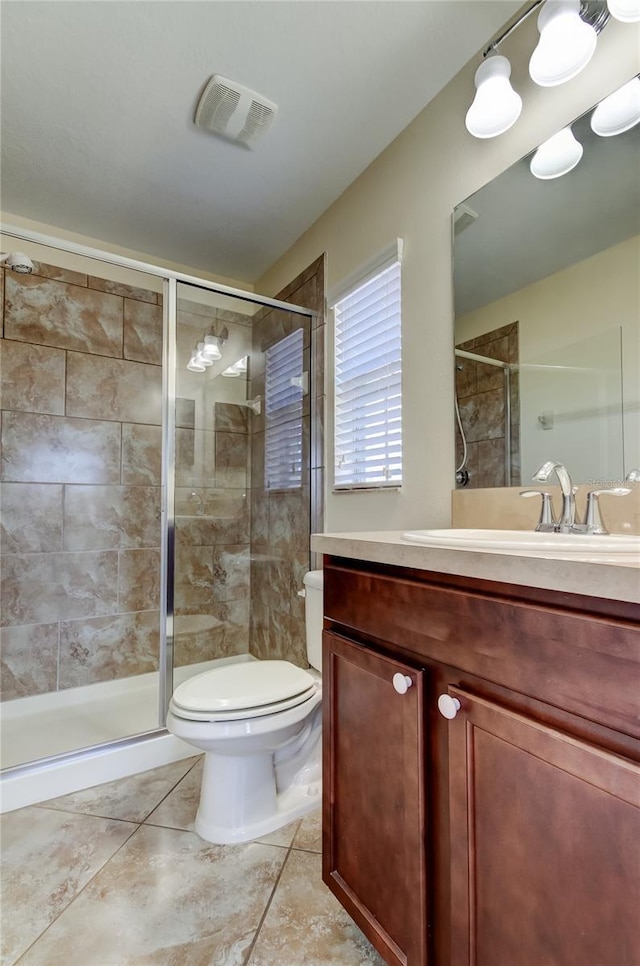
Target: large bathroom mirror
pixel 547 290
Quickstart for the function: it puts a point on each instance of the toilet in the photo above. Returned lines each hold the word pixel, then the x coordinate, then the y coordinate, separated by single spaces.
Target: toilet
pixel 259 724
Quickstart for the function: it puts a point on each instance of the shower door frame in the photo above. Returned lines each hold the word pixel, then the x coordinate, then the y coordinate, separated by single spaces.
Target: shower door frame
pixel 170 280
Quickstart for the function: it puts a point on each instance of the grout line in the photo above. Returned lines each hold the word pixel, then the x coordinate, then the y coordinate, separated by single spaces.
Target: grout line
pixel 164 797
pixel 87 883
pixel 269 902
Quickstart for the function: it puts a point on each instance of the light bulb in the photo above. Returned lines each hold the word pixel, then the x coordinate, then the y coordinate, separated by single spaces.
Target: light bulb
pixel 626 10
pixel 566 43
pixel 557 156
pixel 211 348
pixel 619 112
pixel 496 106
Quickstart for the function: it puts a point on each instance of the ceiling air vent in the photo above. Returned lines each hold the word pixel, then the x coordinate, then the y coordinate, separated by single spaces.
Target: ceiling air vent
pixel 234 111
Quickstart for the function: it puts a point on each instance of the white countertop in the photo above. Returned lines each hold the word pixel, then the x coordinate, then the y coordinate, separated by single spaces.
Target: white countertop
pixel 603 577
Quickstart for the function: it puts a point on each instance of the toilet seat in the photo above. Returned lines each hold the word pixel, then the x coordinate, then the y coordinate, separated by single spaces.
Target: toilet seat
pixel 243 690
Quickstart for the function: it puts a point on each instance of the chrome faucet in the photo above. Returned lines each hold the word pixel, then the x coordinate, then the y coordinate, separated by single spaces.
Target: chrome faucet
pixel 567 520
pixel 568 523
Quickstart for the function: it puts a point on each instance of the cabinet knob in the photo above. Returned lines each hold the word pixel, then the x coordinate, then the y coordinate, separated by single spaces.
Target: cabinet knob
pixel 448 706
pixel 402 682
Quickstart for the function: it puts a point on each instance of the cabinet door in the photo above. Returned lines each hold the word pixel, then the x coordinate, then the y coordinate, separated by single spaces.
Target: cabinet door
pixel 374 796
pixel 545 844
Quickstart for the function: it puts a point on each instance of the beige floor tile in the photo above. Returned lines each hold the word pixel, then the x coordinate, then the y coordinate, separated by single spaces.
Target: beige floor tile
pixel 178 810
pixel 306 925
pixel 166 899
pixel 309 835
pixel 130 799
pixel 47 858
pixel 282 836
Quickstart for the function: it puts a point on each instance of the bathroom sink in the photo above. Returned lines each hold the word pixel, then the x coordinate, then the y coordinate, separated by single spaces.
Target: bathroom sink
pixel 586 544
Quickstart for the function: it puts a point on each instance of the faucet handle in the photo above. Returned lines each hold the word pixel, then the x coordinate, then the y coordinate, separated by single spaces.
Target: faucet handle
pixel 547 522
pixel 593 521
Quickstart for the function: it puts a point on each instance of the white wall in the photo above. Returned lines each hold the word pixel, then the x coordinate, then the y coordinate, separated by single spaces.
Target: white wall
pixel 410 191
pixel 575 318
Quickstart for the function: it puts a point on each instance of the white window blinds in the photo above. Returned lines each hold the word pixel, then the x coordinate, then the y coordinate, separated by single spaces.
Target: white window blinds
pixel 284 390
pixel 368 383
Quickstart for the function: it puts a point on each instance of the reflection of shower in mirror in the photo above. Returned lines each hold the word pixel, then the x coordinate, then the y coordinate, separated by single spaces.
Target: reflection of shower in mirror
pixel 496 420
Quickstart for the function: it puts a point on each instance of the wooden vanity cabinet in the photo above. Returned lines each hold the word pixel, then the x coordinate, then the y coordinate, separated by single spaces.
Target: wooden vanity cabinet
pixel 510 834
pixel 373 851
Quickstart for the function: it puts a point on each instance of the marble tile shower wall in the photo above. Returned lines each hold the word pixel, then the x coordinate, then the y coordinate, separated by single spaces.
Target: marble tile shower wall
pixel 80 480
pixel 282 521
pixel 212 565
pixel 481 399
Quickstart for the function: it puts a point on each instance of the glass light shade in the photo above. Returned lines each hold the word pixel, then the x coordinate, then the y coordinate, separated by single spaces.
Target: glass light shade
pixel 211 348
pixel 193 365
pixel 241 364
pixel 557 156
pixel 626 10
pixel 231 372
pixel 203 359
pixel 496 106
pixel 619 112
pixel 566 43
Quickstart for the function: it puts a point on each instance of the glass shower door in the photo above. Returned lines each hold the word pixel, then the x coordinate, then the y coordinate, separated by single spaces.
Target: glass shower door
pixel 241 494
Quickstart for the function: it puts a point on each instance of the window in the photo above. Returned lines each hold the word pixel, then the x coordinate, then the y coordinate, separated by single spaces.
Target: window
pixel 285 386
pixel 368 377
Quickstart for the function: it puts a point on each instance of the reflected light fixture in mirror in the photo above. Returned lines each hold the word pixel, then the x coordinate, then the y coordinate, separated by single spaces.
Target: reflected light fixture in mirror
pixel 237 369
pixel 557 156
pixel 566 43
pixel 211 349
pixel 619 112
pixel 194 365
pixel 496 106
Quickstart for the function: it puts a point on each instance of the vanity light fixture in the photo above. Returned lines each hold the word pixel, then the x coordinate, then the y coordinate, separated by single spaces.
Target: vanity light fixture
pixel 208 351
pixel 619 112
pixel 202 357
pixel 628 11
pixel 237 369
pixel 567 43
pixel 568 36
pixel 556 156
pixel 496 106
pixel 211 349
pixel 194 364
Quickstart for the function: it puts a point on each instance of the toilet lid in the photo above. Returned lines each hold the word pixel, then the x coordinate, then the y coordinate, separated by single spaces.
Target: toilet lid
pixel 242 686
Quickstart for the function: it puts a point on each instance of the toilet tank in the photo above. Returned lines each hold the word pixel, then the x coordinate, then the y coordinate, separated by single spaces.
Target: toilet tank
pixel 313 584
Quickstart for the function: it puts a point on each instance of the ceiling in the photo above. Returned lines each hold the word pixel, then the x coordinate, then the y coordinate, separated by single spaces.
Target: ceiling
pixel 527 229
pixel 98 100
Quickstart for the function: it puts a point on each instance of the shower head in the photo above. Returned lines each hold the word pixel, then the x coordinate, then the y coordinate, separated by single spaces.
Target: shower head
pixel 17 262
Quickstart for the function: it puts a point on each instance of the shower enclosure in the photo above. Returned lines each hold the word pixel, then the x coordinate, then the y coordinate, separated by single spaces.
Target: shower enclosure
pixel 487 403
pixel 155 510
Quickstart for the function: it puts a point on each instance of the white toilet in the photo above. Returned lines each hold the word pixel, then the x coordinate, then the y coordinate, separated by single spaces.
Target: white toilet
pixel 259 723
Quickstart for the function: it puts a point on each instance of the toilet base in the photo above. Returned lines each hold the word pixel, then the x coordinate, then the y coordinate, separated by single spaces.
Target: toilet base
pixel 246 796
pixel 291 804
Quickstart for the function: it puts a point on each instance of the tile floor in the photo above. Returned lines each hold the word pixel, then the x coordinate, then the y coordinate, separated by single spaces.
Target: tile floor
pixel 116 876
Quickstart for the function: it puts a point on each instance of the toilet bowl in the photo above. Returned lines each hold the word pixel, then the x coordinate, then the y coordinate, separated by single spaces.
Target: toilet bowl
pixel 259 725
